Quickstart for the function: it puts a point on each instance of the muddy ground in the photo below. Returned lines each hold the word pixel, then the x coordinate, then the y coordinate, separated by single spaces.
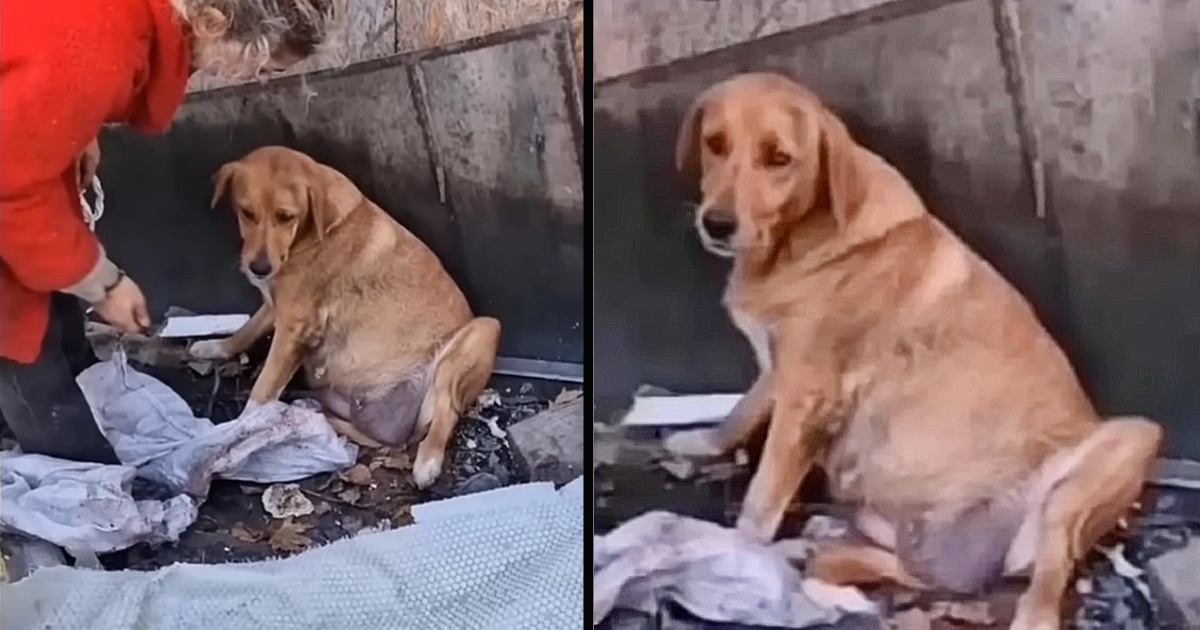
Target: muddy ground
pixel 634 475
pixel 233 525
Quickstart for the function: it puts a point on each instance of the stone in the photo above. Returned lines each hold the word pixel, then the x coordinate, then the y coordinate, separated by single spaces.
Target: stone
pixel 1172 577
pixel 549 445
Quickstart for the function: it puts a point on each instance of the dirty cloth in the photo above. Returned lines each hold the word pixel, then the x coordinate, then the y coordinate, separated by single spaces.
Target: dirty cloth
pixel 91 508
pixel 512 564
pixel 712 571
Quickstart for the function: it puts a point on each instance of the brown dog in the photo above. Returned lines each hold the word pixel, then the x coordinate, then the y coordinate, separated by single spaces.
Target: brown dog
pixel 897 360
pixel 382 331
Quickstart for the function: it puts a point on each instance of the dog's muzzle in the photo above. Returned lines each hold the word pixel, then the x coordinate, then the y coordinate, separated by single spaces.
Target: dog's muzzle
pixel 717 228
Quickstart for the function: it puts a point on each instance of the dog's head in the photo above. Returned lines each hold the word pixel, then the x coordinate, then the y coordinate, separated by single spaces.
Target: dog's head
pixel 282 198
pixel 768 154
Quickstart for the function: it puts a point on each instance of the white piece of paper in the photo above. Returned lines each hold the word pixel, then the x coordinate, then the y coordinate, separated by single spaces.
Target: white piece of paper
pixel 202 325
pixel 664 411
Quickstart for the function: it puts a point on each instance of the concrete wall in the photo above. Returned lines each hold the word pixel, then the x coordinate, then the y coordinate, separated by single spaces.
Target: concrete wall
pixel 1060 139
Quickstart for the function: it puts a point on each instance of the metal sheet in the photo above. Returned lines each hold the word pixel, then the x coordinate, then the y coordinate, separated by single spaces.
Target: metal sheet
pixel 371 122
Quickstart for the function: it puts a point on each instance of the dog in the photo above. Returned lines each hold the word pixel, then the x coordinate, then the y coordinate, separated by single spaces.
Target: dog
pixel 382 331
pixel 898 361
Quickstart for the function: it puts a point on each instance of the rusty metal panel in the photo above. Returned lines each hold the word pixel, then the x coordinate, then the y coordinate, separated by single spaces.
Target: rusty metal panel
pixel 372 122
pixel 634 34
pixel 1117 94
pixel 923 83
pixel 505 121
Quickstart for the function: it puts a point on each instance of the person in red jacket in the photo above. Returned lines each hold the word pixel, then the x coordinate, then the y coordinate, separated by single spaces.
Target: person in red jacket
pixel 66 68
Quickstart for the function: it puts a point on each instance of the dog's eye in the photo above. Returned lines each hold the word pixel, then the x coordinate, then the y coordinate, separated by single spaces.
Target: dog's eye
pixel 283 217
pixel 717 143
pixel 246 215
pixel 774 158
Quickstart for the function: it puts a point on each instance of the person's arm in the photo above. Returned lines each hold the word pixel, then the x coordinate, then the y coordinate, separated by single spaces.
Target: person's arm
pixel 46 120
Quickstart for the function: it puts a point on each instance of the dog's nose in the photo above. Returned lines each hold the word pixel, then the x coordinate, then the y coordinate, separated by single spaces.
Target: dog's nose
pixel 260 266
pixel 719 224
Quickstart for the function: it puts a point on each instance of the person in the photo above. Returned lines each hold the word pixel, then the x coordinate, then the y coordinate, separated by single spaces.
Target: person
pixel 67 68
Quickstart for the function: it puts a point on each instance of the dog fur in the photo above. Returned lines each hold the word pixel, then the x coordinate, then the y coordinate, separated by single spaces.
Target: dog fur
pixel 381 330
pixel 899 361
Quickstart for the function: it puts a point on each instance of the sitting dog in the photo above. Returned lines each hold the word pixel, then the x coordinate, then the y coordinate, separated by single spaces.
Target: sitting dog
pixel 383 333
pixel 898 361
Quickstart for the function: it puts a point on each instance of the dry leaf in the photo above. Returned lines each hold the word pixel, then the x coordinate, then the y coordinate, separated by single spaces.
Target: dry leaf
pixel 399 461
pixel 245 534
pixel 350 495
pixel 403 515
pixel 358 475
pixel 978 612
pixel 566 396
pixel 489 398
pixel 290 537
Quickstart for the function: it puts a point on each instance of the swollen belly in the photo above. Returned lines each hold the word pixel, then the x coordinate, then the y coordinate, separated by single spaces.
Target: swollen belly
pixel 390 418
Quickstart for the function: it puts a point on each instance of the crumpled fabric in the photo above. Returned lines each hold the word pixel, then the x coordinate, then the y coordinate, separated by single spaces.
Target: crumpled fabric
pixel 91 509
pixel 713 572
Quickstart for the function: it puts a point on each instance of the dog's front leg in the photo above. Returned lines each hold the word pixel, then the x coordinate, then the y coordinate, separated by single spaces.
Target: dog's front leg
pixel 750 412
pixel 802 406
pixel 283 359
pixel 259 325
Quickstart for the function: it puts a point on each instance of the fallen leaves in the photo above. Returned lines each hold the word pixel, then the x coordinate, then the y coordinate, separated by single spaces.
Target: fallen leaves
pixel 358 475
pixel 397 461
pixel 290 537
pixel 244 534
pixel 350 495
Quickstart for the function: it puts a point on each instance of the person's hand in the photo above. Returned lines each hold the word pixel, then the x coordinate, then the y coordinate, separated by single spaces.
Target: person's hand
pixel 87 163
pixel 125 307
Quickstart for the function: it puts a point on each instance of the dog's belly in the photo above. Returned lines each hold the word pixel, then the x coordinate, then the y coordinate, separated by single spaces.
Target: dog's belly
pixel 390 418
pixel 384 402
pixel 954 544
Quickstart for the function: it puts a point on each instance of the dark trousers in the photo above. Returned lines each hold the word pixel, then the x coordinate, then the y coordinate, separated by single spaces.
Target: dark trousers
pixel 40 402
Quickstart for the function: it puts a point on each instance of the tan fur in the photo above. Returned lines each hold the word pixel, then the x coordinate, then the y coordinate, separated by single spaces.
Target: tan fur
pixel 894 357
pixel 353 298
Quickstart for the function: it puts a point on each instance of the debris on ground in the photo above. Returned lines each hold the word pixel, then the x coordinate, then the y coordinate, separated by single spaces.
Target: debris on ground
pixel 661 554
pixel 290 537
pixel 233 525
pixel 681 469
pixel 286 500
pixel 550 444
pixel 1133 585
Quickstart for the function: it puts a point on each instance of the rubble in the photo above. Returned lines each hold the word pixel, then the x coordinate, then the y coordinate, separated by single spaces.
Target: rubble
pixel 1174 577
pixel 550 444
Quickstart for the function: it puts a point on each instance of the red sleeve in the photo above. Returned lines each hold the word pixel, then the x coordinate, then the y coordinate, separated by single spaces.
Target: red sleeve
pixel 53 105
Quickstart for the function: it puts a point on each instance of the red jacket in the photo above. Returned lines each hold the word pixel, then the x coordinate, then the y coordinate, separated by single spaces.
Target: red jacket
pixel 66 67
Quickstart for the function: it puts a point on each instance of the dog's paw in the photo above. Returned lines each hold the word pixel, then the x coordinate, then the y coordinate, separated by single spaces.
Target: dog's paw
pixel 209 349
pixel 1030 616
pixel 694 443
pixel 426 469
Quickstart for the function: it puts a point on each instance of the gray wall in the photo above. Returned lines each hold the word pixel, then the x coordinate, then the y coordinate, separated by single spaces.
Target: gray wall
pixel 475 146
pixel 1060 139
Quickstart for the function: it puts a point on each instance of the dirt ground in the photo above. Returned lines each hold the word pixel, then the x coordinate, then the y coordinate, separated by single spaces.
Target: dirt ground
pixel 234 526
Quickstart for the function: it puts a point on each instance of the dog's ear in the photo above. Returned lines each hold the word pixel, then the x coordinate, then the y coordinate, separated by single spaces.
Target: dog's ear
pixel 842 176
pixel 221 182
pixel 687 143
pixel 331 198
